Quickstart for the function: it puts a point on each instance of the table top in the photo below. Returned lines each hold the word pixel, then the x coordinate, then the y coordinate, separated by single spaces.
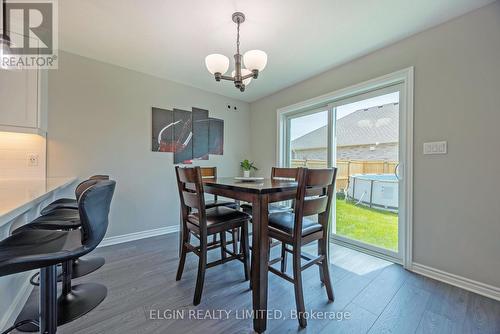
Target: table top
pixel 266 186
pixel 16 196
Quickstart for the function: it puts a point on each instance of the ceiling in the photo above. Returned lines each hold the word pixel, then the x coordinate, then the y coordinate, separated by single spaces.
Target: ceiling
pixel 170 39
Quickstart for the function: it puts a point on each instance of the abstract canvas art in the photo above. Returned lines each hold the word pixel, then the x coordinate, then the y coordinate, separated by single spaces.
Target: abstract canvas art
pixel 190 135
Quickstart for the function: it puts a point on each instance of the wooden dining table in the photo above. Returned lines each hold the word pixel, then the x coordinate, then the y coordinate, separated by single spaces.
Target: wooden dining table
pixel 260 194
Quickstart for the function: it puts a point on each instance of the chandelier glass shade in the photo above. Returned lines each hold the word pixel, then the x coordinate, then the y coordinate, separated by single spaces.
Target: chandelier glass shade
pixel 254 61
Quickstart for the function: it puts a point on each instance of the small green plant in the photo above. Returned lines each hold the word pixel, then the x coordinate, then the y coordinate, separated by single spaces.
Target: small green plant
pixel 247 165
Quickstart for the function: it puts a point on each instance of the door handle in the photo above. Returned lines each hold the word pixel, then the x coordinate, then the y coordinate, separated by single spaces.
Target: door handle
pixel 396 171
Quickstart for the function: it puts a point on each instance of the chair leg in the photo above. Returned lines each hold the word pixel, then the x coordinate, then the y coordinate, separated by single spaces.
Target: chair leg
pixel 223 245
pixel 235 234
pixel 202 265
pixel 299 294
pixel 182 259
pixel 320 267
pixel 48 300
pixel 283 257
pixel 246 251
pixel 324 268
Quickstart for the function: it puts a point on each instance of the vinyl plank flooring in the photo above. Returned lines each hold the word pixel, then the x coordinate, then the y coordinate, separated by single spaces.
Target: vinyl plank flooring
pixel 404 312
pixel 382 289
pixel 378 296
pixel 359 320
pixel 483 315
pixel 433 323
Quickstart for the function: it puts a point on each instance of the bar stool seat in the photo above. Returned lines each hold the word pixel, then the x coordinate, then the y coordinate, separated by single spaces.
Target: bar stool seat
pixel 285 221
pixel 62 203
pixel 220 215
pixel 41 249
pixel 216 203
pixel 28 250
pixel 67 219
pixel 69 203
pixel 62 219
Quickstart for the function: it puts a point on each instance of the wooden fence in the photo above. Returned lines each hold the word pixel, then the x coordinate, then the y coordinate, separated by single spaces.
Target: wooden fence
pixel 347 168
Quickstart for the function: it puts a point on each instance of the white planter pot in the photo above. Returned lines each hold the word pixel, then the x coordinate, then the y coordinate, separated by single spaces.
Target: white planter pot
pixel 246 173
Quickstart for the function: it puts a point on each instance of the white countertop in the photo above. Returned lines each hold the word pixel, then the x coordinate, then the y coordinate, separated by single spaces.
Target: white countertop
pixel 18 196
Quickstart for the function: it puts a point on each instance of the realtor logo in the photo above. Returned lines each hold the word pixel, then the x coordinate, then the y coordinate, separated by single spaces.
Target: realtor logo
pixel 29 34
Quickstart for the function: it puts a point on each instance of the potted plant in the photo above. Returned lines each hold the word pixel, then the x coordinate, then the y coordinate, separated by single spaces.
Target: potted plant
pixel 247 166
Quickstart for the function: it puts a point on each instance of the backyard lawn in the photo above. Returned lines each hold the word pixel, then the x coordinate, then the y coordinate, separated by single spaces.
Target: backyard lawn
pixel 372 226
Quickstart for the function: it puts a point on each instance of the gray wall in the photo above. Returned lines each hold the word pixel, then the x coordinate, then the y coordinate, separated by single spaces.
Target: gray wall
pixel 457 85
pixel 100 122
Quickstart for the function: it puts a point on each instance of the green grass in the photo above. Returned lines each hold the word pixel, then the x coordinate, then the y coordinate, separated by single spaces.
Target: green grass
pixel 376 227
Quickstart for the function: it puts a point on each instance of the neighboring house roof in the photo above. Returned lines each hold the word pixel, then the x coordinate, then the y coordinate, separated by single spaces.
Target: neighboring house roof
pixel 363 127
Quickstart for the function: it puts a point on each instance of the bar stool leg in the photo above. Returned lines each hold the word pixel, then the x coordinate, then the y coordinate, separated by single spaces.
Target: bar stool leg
pixel 74 301
pixel 48 300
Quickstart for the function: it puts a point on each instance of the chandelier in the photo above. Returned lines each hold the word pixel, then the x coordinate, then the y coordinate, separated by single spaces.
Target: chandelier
pixel 254 61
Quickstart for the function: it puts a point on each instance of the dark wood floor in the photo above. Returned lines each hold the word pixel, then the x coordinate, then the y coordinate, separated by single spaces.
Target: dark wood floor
pixel 379 296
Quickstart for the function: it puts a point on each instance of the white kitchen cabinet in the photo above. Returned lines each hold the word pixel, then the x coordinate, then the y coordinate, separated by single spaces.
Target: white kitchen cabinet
pixel 23 100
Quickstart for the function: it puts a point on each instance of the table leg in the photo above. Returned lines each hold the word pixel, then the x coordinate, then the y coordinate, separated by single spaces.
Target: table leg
pixel 260 261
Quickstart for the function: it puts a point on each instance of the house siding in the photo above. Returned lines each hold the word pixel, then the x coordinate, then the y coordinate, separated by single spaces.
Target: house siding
pixel 385 151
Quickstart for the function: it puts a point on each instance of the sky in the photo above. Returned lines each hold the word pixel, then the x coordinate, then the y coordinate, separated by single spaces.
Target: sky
pixel 303 125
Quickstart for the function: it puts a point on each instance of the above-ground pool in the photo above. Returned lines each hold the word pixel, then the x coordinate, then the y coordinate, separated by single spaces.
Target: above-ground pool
pixel 374 190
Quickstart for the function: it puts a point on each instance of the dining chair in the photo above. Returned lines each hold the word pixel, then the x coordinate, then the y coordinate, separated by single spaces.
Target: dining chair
pixel 296 229
pixel 211 173
pixel 277 173
pixel 202 222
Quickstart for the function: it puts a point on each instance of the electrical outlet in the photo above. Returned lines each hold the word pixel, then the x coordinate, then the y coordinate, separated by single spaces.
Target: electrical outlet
pixel 33 159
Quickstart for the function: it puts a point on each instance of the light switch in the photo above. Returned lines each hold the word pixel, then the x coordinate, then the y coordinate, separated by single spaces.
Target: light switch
pixel 438 147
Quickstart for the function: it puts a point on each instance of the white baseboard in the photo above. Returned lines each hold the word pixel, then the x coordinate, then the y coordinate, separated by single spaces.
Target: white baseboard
pixel 459 281
pixel 138 235
pixel 17 304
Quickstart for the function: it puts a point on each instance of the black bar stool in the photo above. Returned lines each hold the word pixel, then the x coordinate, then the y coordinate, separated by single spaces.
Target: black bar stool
pixel 74 301
pixel 68 218
pixel 69 203
pixel 44 249
pixel 64 207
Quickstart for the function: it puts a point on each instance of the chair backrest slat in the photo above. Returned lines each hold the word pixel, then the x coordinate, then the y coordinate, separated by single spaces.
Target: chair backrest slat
pixel 319 177
pixel 314 206
pixel 191 199
pixel 284 173
pixel 208 172
pixel 190 184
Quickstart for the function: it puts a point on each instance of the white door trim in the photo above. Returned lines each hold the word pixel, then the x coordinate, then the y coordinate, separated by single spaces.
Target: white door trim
pixel 404 77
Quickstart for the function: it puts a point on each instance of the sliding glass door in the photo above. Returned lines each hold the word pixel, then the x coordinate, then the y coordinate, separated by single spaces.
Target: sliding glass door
pixel 360 136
